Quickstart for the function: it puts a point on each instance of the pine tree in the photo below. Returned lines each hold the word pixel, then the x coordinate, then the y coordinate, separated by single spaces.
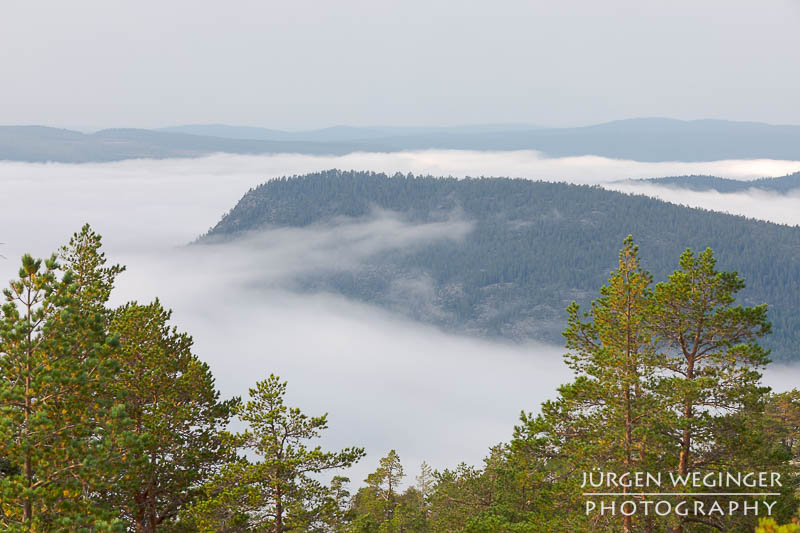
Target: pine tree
pixel 498 497
pixel 336 516
pixel 176 415
pixel 425 485
pixel 381 507
pixel 604 419
pixel 56 419
pixel 277 493
pixel 784 410
pixel 711 392
pixel 386 480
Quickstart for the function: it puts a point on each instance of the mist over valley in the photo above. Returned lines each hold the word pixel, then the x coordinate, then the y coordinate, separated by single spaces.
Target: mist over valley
pixel 283 299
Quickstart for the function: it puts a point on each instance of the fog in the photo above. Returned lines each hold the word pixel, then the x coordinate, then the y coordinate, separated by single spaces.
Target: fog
pixel 754 203
pixel 385 381
pixel 184 197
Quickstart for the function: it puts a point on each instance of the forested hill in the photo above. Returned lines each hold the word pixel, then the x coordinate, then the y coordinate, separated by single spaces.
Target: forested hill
pixel 535 247
pixel 783 184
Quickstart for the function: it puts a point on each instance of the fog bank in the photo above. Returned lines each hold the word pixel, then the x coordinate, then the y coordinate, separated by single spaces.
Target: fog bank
pixel 753 203
pixel 387 382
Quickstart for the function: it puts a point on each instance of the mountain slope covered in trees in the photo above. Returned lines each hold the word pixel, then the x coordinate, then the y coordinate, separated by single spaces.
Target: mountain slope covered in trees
pixel 534 248
pixel 781 185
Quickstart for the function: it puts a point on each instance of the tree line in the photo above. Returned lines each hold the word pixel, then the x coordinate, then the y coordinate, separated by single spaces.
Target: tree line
pixel 109 422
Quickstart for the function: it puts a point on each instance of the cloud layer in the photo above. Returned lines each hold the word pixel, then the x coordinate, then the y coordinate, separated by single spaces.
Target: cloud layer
pixel 187 196
pixel 755 203
pixel 387 382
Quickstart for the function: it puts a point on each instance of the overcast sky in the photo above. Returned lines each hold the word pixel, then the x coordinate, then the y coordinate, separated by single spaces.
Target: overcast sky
pixel 90 64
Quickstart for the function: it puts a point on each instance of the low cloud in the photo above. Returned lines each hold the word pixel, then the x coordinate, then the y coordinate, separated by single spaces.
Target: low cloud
pixel 187 196
pixel 753 203
pixel 386 381
pixel 520 163
pixel 277 256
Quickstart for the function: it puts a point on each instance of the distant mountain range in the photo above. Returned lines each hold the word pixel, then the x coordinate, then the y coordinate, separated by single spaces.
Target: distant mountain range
pixel 341 133
pixel 40 144
pixel 781 185
pixel 534 247
pixel 652 139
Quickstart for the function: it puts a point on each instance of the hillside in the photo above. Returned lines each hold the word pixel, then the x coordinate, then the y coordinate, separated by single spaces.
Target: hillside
pixel 651 139
pixel 781 185
pixel 535 247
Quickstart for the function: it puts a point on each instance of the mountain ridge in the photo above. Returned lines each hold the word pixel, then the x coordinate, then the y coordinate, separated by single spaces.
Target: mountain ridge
pixel 645 139
pixel 781 184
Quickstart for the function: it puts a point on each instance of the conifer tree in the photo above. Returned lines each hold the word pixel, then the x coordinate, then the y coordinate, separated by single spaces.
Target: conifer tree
pixel 784 410
pixel 425 484
pixel 381 507
pixel 277 493
pixel 711 348
pixel 176 415
pixel 710 393
pixel 56 419
pixel 668 380
pixel 386 480
pixel 336 517
pixel 498 497
pixel 604 419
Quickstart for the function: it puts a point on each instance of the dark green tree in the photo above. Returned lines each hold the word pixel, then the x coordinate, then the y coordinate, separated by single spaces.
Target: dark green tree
pixel 784 410
pixel 57 421
pixel 278 492
pixel 667 380
pixel 605 419
pixel 710 392
pixel 381 507
pixel 176 415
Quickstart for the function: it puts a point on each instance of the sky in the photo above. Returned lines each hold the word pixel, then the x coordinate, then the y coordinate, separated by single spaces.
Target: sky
pixel 91 64
pixel 386 381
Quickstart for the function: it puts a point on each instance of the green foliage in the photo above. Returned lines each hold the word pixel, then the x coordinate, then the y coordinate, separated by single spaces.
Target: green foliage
pixel 712 360
pixel 607 418
pixel 783 409
pixel 667 380
pixel 534 247
pixel 277 493
pixel 768 525
pixel 57 420
pixel 381 507
pixel 176 414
